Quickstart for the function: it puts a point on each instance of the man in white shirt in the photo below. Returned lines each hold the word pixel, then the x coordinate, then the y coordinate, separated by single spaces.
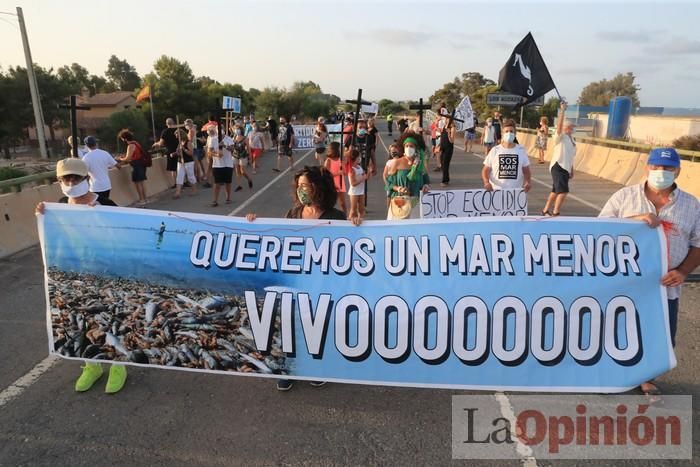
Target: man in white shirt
pixel 98 163
pixel 659 201
pixel 562 164
pixel 507 166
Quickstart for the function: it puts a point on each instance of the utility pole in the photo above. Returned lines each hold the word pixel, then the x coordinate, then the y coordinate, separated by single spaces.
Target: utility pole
pixel 33 88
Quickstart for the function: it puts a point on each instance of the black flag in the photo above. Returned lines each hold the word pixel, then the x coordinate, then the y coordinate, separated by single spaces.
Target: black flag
pixel 525 73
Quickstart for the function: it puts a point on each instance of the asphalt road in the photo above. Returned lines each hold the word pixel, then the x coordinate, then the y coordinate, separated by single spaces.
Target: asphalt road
pixel 176 418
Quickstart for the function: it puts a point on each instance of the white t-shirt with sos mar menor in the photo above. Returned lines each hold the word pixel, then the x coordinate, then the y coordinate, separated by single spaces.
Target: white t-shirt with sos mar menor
pixel 507 166
pixel 227 159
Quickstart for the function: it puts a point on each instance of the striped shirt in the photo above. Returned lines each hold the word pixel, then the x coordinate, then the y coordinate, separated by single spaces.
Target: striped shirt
pixel 682 210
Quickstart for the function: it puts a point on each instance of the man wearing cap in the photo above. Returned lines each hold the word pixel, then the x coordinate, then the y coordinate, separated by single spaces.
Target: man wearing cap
pixel 171 143
pixel 562 164
pixel 98 163
pixel 81 149
pixel 659 201
pixel 72 175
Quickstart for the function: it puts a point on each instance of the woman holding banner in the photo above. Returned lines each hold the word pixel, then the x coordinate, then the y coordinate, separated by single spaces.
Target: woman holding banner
pixel 406 178
pixel 314 197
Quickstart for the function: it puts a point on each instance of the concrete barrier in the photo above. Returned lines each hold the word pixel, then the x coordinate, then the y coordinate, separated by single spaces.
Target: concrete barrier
pixel 594 159
pixel 619 165
pixel 18 221
pixel 639 173
pixel 689 178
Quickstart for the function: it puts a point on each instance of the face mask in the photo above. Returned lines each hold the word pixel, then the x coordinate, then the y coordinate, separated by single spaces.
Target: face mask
pixel 303 196
pixel 75 191
pixel 361 132
pixel 441 124
pixel 508 137
pixel 410 151
pixel 488 123
pixel 395 154
pixel 661 179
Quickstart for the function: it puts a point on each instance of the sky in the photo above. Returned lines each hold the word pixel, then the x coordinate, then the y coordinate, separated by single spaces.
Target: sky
pixel 391 49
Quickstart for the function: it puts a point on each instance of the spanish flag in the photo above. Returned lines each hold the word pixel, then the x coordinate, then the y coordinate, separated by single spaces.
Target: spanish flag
pixel 144 93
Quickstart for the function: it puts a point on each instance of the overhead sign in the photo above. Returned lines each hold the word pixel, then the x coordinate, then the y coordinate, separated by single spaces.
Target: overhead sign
pixel 492 303
pixel 232 103
pixel 502 98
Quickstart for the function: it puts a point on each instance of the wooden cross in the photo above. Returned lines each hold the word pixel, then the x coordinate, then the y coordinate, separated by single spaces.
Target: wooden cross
pixel 420 107
pixel 452 118
pixel 74 107
pixel 358 104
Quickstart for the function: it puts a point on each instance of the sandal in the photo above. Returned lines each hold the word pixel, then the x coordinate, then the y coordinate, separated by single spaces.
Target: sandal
pixel 238 188
pixel 228 201
pixel 554 214
pixel 214 204
pixel 545 213
pixel 275 170
pixel 250 184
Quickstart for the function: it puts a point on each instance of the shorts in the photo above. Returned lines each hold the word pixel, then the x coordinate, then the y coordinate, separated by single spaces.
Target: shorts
pixel 488 146
pixel 185 171
pixel 284 151
pixel 255 153
pixel 240 161
pixel 171 162
pixel 138 173
pixel 470 136
pixel 198 153
pixel 222 175
pixel 560 179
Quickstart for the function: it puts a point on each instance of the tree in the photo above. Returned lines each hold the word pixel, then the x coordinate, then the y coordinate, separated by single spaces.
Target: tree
pixel 269 101
pixel 122 75
pixel 600 92
pixel 76 78
pixel 132 119
pixel 468 85
pixel 387 106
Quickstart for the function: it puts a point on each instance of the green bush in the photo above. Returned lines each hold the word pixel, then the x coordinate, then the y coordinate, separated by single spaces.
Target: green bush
pixel 132 119
pixel 690 142
pixel 7 173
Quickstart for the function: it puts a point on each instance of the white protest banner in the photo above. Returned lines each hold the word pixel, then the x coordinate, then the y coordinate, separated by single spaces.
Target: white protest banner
pixel 465 113
pixel 372 108
pixel 473 203
pixel 231 103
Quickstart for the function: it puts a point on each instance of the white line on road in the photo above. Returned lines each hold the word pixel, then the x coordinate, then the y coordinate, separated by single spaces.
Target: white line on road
pixel 524 451
pixel 274 180
pixel 18 387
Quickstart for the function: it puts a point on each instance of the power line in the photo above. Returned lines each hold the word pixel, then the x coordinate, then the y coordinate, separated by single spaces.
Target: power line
pixel 4 20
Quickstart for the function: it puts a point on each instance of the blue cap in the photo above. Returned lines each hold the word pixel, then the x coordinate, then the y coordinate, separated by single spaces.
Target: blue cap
pixel 90 141
pixel 664 156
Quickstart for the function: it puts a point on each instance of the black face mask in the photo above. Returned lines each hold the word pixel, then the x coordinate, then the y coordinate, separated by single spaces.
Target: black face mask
pixel 395 154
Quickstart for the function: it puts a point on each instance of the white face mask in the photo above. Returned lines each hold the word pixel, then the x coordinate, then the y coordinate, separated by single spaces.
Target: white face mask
pixel 75 191
pixel 509 137
pixel 661 179
pixel 410 151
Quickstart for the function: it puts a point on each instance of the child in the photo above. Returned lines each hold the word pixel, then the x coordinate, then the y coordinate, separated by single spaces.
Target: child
pixel 334 165
pixel 357 177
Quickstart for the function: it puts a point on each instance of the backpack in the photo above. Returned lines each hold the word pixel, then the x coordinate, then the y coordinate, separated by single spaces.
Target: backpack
pixel 145 158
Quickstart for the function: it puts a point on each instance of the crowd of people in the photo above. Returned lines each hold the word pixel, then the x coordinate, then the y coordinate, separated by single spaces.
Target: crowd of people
pixel 336 187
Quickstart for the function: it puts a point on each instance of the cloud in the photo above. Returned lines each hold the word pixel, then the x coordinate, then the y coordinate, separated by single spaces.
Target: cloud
pixel 681 47
pixel 578 70
pixel 400 37
pixel 626 36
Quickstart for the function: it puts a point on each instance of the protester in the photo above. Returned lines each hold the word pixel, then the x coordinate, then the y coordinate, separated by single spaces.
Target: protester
pixel 333 164
pixel 185 164
pixel 285 143
pixel 314 198
pixel 541 141
pixel 394 154
pixel 82 150
pixel 170 142
pixel 98 164
pixel 356 190
pixel 407 178
pixel 447 140
pixel 659 202
pixel 488 138
pixel 256 145
pixel 562 164
pixel 390 123
pixel 134 156
pixel 507 166
pixel 272 128
pixel 403 124
pixel 201 161
pixel 497 126
pixel 319 139
pixel 347 131
pixel 239 150
pixel 72 176
pixel 470 135
pixel 372 137
pixel 437 154
pixel 222 164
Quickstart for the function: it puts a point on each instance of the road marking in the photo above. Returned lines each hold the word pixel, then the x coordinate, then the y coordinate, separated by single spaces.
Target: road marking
pixel 15 389
pixel 542 182
pixel 274 180
pixel 525 452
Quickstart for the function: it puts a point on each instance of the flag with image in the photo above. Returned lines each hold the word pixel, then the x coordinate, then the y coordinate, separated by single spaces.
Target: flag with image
pixel 525 73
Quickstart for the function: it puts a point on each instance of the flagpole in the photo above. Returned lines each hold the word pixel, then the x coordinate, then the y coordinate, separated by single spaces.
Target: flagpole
pixel 153 120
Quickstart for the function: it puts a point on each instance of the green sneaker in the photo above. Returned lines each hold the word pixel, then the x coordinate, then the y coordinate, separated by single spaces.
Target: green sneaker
pixel 116 380
pixel 91 373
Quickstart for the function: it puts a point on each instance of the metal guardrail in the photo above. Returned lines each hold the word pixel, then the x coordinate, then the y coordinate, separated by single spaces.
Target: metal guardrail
pixel 15 184
pixel 693 156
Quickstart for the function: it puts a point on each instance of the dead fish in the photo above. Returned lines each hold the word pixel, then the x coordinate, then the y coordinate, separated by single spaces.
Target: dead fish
pixel 114 341
pixel 257 363
pixel 247 333
pixel 151 310
pixel 213 301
